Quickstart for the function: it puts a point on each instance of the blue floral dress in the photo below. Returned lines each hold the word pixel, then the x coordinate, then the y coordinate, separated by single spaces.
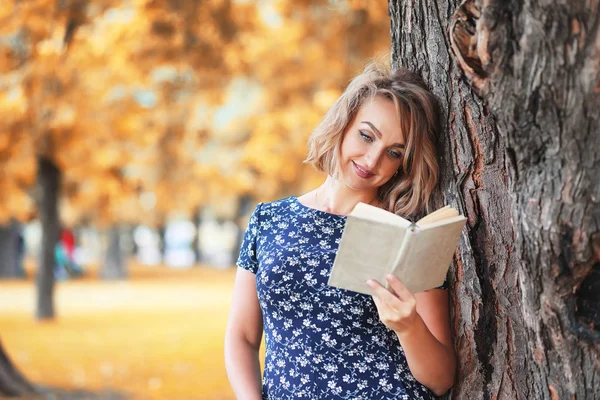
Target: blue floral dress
pixel 321 342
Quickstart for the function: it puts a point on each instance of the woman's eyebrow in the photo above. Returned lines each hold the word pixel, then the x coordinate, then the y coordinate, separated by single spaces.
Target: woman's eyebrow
pixel 379 133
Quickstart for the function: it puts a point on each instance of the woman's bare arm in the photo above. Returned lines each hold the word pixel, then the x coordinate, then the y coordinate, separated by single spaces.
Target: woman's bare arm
pixel 422 324
pixel 428 344
pixel 243 337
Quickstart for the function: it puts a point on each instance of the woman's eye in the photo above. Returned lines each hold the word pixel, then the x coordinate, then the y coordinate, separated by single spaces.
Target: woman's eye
pixel 365 137
pixel 394 154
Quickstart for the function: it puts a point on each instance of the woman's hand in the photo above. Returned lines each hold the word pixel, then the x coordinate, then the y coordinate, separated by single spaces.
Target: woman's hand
pixel 397 306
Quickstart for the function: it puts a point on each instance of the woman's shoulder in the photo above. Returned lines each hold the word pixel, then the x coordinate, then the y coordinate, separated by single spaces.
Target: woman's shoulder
pixel 269 205
pixel 268 213
pixel 275 207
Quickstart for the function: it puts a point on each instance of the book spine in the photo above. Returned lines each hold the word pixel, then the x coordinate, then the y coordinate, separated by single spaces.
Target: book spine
pixel 398 265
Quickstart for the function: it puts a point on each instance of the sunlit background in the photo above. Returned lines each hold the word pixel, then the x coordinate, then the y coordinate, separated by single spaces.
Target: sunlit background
pixel 162 124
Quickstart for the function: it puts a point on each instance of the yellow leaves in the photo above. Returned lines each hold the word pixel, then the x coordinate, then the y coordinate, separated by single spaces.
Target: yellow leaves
pixel 107 157
pixel 206 172
pixel 20 167
pixel 325 98
pixel 376 12
pixel 64 116
pixel 282 48
pixel 37 20
pixel 53 46
pixel 13 104
pixel 116 27
pixel 110 186
pixel 4 141
pixel 69 212
pixel 245 16
pixel 270 158
pixel 137 127
pixel 17 203
pixel 21 170
pixel 6 9
pixel 358 4
pixel 193 140
pixel 243 181
pixel 16 175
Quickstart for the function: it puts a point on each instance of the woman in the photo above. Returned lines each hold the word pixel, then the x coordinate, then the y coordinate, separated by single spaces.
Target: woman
pixel 376 145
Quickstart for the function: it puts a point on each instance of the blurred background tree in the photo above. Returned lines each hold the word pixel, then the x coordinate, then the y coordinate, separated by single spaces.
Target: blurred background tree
pixel 118 113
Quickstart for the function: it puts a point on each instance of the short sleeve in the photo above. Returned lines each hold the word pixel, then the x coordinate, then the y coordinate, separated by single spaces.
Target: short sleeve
pixel 248 259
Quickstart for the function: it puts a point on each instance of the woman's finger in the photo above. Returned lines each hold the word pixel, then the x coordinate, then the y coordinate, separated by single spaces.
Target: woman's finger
pixel 378 304
pixel 399 288
pixel 384 295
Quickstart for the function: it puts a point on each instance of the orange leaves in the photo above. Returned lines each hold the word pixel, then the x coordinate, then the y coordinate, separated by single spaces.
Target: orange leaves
pixel 17 175
pixel 17 203
pixel 324 99
pixel 20 169
pixel 146 97
pixel 13 104
pixel 63 117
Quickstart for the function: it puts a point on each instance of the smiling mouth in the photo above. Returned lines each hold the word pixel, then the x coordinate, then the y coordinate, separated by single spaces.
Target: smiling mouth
pixel 362 172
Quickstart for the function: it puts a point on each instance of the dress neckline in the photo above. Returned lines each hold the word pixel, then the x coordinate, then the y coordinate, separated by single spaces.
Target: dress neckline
pixel 316 210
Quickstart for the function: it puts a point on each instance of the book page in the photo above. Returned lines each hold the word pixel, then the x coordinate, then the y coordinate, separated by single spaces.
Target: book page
pixel 367 251
pixel 428 254
pixel 438 215
pixel 366 211
pixel 435 224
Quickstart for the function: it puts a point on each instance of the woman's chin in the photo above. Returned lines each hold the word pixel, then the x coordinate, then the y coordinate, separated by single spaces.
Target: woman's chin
pixel 360 184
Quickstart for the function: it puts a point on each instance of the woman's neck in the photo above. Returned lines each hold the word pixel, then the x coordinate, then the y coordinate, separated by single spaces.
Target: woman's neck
pixel 335 197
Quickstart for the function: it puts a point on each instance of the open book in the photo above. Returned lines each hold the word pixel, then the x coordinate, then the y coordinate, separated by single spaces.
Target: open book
pixel 376 242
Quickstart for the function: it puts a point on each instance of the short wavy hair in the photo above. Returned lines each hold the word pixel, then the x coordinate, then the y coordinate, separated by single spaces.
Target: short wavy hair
pixel 408 192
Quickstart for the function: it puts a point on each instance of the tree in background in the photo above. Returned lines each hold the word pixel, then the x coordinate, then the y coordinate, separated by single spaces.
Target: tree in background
pixel 108 101
pixel 520 85
pixel 107 104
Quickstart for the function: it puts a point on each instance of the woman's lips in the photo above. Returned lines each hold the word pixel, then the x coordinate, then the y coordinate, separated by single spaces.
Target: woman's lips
pixel 362 172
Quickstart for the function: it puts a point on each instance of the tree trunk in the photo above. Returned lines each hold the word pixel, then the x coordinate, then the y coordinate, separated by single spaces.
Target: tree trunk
pixel 133 251
pixel 11 251
pixel 197 221
pixel 49 182
pixel 113 267
pixel 162 243
pixel 12 383
pixel 518 87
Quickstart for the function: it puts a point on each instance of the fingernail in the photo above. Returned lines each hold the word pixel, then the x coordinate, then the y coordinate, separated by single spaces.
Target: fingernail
pixel 389 277
pixel 369 282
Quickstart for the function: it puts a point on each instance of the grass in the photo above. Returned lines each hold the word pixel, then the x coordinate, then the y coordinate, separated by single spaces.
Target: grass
pixel 157 335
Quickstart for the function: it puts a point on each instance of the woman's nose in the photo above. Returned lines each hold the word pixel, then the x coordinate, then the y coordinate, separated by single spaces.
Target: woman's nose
pixel 372 158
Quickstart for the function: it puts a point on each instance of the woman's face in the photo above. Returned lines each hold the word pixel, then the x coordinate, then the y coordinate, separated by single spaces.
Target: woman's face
pixel 372 147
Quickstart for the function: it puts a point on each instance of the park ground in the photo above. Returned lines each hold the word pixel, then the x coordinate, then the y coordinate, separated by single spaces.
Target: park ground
pixel 157 335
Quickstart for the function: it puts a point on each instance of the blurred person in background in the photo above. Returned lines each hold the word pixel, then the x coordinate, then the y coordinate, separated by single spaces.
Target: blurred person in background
pixel 64 256
pixel 376 145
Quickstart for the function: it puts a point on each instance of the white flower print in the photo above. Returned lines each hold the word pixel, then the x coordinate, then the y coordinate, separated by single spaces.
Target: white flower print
pixel 321 342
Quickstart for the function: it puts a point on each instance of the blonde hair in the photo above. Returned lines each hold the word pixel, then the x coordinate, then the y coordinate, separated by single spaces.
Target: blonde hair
pixel 408 192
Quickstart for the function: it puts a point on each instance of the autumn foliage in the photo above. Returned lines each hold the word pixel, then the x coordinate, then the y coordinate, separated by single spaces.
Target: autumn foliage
pixel 153 106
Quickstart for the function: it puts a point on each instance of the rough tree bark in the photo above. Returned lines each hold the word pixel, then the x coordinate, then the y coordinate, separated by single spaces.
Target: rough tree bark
pixel 49 182
pixel 519 87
